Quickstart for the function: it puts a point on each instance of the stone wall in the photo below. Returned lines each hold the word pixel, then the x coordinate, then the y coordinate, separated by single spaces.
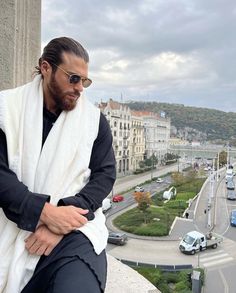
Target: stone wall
pixel 20 39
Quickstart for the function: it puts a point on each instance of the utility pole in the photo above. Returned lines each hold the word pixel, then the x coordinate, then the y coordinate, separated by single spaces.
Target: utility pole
pixel 218 166
pixel 228 162
pixel 210 196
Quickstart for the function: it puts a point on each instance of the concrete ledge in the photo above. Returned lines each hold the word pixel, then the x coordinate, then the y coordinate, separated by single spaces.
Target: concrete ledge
pixel 123 279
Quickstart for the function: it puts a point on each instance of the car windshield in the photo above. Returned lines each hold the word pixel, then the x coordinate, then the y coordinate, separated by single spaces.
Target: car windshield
pixel 188 239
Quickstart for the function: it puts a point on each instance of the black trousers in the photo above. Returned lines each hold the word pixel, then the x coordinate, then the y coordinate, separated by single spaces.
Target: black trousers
pixel 72 267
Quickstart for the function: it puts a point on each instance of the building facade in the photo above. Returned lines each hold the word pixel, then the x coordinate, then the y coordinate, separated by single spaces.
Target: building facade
pixel 137 135
pixel 157 134
pixel 119 118
pixel 137 140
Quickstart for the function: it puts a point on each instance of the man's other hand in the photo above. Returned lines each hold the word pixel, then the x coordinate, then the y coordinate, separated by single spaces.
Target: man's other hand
pixel 63 219
pixel 42 241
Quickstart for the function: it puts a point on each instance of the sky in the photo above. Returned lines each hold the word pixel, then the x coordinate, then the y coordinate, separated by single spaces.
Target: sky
pixel 174 51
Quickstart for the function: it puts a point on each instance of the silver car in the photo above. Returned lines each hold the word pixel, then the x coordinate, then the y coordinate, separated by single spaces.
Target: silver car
pixel 231 194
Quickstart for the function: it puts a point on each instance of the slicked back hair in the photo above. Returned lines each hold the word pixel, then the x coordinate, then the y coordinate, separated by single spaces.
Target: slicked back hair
pixel 53 51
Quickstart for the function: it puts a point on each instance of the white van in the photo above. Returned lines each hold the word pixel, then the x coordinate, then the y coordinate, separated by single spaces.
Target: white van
pixel 106 204
pixel 195 241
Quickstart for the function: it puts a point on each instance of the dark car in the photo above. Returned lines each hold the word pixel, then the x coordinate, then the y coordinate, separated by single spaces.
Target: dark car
pixel 117 238
pixel 233 218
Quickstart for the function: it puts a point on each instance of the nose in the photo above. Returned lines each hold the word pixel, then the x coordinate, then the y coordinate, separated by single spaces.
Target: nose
pixel 78 86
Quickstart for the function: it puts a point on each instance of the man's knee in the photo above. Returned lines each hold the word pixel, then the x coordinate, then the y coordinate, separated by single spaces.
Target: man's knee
pixel 74 277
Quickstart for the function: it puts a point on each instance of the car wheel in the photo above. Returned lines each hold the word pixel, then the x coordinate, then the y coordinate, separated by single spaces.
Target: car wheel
pixel 193 251
pixel 214 245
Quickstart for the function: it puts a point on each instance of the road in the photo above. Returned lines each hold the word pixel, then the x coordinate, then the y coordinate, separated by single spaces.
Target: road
pixel 219 264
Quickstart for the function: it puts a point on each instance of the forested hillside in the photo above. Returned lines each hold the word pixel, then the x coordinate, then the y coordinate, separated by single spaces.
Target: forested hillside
pixel 216 124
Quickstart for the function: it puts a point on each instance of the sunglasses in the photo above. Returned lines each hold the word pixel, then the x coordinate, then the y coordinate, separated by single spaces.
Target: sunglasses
pixel 75 78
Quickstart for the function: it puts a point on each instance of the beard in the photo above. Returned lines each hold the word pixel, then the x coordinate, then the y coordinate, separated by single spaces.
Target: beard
pixel 64 101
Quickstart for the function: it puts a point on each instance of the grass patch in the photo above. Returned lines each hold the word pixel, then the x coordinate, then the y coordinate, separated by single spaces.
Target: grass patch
pixel 168 282
pixel 158 218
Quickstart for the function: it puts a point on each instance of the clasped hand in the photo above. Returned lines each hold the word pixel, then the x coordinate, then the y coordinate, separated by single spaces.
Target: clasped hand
pixel 56 222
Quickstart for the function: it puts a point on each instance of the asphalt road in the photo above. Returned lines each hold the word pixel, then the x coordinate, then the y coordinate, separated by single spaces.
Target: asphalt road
pixel 219 264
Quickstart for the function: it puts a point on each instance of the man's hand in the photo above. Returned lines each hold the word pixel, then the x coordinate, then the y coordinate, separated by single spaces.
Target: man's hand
pixel 63 219
pixel 42 241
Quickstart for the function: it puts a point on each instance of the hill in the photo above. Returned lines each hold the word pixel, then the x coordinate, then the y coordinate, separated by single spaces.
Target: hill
pixel 213 124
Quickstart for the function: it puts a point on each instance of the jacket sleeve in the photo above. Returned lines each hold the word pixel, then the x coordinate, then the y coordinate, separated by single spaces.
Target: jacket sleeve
pixel 19 204
pixel 103 173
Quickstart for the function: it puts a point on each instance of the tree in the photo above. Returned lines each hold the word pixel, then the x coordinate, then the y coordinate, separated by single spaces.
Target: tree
pixel 177 178
pixel 222 159
pixel 144 200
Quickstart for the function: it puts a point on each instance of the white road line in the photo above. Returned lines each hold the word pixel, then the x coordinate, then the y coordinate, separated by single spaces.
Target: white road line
pixel 226 287
pixel 213 263
pixel 212 253
pixel 214 257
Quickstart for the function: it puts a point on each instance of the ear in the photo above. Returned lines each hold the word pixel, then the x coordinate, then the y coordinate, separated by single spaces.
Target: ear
pixel 46 68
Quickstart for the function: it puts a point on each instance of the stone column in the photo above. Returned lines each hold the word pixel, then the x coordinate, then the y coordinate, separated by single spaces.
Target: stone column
pixel 20 39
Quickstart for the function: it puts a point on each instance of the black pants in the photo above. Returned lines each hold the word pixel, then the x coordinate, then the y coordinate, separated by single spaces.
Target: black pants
pixel 74 277
pixel 72 267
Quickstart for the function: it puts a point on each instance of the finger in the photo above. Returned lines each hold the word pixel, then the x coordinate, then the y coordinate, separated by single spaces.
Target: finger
pixel 30 242
pixel 82 211
pixel 33 249
pixel 41 250
pixel 48 250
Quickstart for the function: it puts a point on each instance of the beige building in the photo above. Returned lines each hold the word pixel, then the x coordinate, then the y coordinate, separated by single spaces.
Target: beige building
pixel 119 118
pixel 136 135
pixel 137 139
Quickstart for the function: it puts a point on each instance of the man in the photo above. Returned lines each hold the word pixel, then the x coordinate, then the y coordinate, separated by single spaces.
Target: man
pixel 56 167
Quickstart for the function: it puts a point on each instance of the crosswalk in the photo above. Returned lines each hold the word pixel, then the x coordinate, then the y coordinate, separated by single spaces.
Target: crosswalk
pixel 214 258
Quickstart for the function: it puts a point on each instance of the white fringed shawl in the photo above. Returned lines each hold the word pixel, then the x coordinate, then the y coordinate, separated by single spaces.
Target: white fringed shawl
pixel 59 169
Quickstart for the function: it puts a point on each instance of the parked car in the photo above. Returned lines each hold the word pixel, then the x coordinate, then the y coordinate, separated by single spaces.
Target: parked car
pixel 231 194
pixel 117 238
pixel 233 218
pixel 139 189
pixel 159 180
pixel 230 185
pixel 229 175
pixel 117 198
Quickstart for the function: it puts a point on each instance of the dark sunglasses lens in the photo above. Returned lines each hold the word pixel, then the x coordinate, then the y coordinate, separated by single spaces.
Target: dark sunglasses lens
pixel 74 78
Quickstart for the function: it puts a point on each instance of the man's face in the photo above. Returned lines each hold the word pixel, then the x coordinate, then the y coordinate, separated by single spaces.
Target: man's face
pixel 59 93
pixel 65 100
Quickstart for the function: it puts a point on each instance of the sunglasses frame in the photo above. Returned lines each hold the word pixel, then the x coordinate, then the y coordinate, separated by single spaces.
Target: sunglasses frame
pixel 86 82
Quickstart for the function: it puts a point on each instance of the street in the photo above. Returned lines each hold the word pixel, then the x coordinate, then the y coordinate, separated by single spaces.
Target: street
pixel 218 263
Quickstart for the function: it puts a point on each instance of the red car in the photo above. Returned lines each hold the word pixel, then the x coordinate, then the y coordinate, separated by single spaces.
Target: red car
pixel 117 198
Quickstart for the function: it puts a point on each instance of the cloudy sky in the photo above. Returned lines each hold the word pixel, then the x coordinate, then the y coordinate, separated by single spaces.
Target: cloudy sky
pixel 175 51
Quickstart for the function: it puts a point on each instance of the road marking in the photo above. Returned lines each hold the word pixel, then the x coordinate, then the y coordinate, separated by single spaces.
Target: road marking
pixel 215 258
pixel 221 261
pixel 224 282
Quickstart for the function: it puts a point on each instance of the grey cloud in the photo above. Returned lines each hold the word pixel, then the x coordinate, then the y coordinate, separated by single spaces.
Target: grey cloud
pixel 123 36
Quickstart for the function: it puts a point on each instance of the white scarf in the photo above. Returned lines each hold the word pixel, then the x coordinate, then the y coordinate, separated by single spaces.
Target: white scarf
pixel 59 169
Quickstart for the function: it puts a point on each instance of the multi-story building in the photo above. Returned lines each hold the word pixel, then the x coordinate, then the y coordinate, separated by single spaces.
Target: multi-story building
pixel 137 139
pixel 136 135
pixel 119 118
pixel 157 134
